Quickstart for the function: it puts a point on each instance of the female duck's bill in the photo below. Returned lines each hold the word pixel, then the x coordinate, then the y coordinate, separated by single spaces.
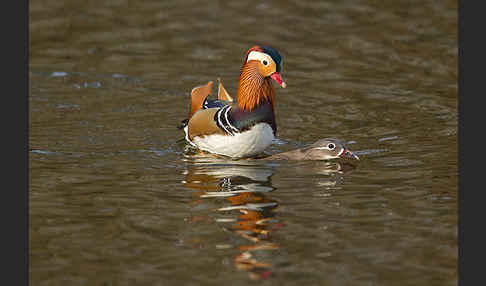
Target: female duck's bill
pixel 345 153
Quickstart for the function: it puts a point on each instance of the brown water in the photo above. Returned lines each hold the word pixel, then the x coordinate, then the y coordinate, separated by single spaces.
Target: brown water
pixel 115 199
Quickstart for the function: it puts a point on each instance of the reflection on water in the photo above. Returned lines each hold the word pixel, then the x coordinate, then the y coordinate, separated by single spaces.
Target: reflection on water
pixel 248 206
pixel 109 81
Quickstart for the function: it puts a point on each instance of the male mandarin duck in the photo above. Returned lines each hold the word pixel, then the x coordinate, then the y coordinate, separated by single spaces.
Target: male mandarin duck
pixel 247 127
pixel 323 149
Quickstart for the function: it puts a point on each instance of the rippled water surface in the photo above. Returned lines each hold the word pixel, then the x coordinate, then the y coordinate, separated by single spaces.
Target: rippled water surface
pixel 117 199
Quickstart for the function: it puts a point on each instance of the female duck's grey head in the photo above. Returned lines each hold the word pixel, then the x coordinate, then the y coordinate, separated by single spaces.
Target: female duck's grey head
pixel 328 148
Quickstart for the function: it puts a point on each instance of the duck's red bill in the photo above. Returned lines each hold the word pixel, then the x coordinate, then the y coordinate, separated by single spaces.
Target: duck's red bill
pixel 348 154
pixel 278 79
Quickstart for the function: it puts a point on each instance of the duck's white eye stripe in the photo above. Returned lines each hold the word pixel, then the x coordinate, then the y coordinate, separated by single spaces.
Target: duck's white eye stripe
pixel 259 56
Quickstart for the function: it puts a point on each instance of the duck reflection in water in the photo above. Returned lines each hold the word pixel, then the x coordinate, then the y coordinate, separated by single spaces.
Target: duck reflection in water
pixel 246 187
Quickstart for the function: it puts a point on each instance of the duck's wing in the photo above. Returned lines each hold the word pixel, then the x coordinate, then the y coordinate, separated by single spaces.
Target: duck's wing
pixel 214 103
pixel 213 120
pixel 198 97
pixel 223 98
pixel 205 122
pixel 200 100
pixel 229 119
pixel 222 93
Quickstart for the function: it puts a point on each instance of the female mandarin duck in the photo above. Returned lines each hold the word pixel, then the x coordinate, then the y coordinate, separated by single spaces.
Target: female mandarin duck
pixel 323 149
pixel 247 127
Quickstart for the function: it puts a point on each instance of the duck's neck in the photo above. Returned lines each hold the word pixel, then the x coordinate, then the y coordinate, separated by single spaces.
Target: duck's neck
pixel 253 88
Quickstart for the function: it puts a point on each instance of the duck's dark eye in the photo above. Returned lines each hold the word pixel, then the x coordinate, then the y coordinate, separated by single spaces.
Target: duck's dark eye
pixel 265 62
pixel 331 146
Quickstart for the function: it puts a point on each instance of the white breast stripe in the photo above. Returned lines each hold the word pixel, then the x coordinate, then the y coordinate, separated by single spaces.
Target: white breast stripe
pixel 220 124
pixel 227 120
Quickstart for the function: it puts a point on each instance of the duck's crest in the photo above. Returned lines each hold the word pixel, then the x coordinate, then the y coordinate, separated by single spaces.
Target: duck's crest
pixel 267 50
pixel 254 48
pixel 274 54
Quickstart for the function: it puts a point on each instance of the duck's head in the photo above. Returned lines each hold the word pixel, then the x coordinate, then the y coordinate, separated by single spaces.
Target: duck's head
pixel 325 149
pixel 268 61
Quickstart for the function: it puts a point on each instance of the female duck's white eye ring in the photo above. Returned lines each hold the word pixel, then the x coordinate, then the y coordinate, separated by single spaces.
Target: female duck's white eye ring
pixel 331 146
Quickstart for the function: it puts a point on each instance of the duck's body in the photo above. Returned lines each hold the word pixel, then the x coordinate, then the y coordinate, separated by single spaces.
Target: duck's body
pixel 245 144
pixel 247 127
pixel 231 132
